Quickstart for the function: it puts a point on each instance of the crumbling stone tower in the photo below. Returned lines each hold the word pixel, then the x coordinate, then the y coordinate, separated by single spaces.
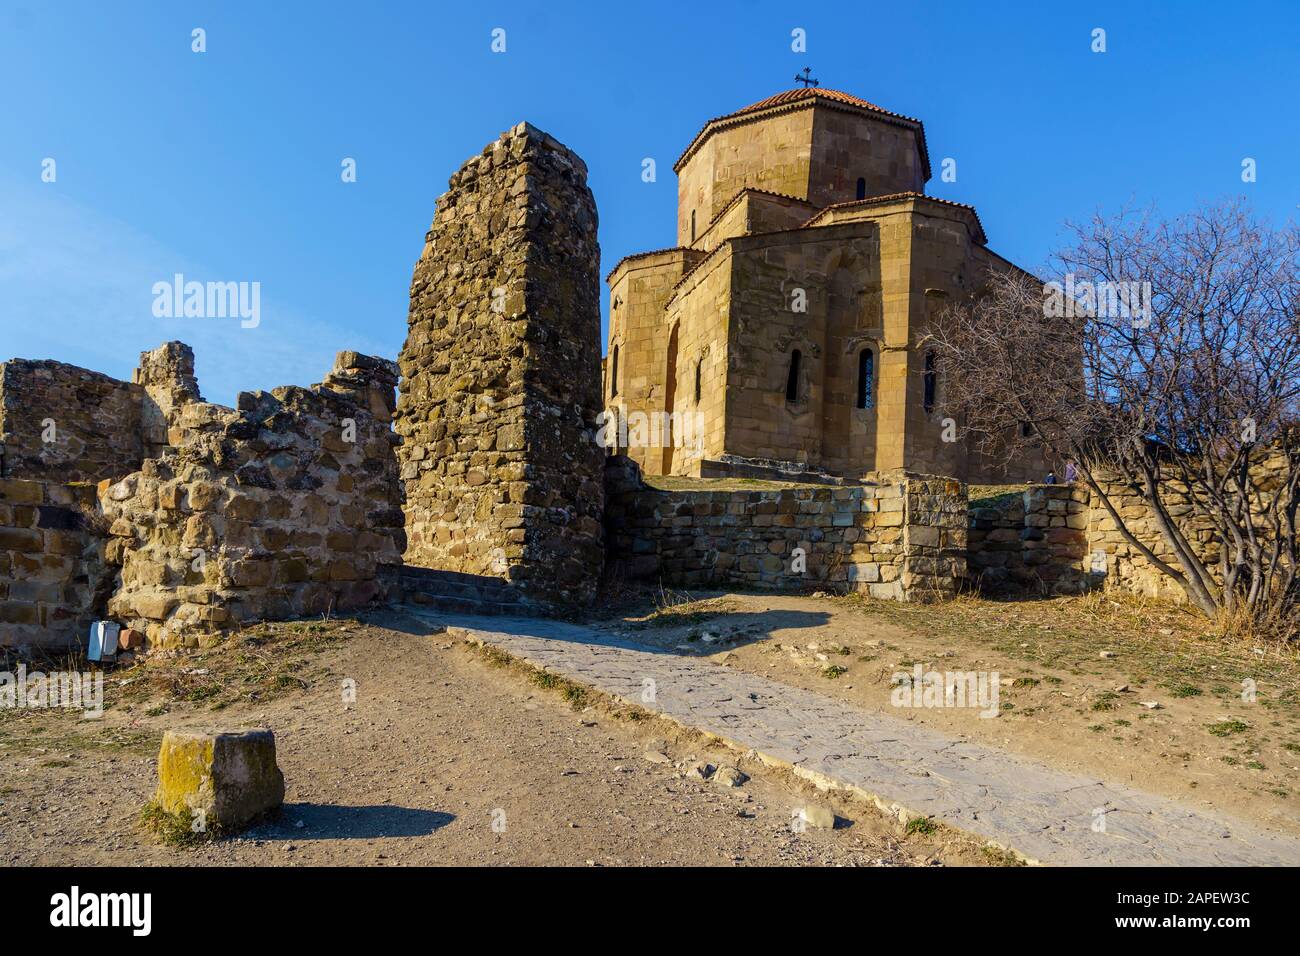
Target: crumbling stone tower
pixel 501 375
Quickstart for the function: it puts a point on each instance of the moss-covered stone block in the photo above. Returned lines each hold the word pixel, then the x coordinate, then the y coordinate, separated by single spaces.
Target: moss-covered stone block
pixel 225 779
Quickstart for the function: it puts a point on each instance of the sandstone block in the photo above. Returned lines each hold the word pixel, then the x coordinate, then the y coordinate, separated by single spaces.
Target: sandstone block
pixel 226 778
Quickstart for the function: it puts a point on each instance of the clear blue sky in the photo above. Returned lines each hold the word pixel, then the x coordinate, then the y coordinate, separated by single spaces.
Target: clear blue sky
pixel 225 165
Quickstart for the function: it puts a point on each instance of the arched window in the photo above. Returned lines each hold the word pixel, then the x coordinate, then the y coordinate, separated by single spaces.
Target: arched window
pixel 698 367
pixel 692 225
pixel 613 373
pixel 931 381
pixel 792 379
pixel 866 377
pixel 862 188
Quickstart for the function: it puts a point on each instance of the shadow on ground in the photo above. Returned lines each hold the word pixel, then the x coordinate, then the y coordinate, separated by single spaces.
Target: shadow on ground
pixel 331 822
pixel 687 634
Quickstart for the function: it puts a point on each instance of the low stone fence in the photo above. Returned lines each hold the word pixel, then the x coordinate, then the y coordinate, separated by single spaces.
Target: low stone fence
pixel 53 576
pixel 1122 565
pixel 1035 540
pixel 902 537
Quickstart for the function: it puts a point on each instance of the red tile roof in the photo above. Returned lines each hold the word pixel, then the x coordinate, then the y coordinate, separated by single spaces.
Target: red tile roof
pixel 794 96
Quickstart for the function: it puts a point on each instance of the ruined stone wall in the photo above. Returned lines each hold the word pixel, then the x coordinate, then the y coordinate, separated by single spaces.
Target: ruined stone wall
pixel 1035 540
pixel 166 376
pixel 283 508
pixel 93 419
pixel 901 538
pixel 53 576
pixel 501 375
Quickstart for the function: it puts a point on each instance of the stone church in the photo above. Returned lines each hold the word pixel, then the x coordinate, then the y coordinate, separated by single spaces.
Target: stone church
pixel 782 335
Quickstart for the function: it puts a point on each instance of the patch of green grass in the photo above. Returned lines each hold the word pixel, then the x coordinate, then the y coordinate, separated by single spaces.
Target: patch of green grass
pixel 1255 765
pixel 1229 760
pixel 494 656
pixel 1293 747
pixel 1185 690
pixel 173 829
pixel 1226 728
pixel 546 680
pixel 834 671
pixel 1025 682
pixel 1121 722
pixel 1105 701
pixel 922 825
pixel 574 694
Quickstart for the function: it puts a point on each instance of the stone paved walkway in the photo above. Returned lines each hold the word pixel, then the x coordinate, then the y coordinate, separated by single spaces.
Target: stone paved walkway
pixel 1045 814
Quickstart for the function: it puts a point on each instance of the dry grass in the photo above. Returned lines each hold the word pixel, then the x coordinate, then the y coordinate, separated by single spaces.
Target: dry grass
pixel 677 483
pixel 990 496
pixel 258 663
pixel 1160 643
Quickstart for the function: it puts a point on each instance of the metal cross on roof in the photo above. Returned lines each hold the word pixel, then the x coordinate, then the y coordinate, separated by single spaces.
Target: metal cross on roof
pixel 803 78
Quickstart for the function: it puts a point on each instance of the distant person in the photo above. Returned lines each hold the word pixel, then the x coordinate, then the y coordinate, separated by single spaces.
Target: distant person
pixel 1050 479
pixel 1071 473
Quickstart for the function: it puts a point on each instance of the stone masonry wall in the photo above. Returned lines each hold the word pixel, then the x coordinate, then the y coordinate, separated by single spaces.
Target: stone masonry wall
pixel 1060 539
pixel 501 375
pixel 166 376
pixel 1037 540
pixel 53 576
pixel 284 508
pixel 94 421
pixel 900 538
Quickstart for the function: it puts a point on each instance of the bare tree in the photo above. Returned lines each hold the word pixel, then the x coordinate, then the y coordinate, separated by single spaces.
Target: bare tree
pixel 1163 359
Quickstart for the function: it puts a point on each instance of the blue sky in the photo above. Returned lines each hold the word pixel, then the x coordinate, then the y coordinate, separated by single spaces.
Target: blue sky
pixel 225 165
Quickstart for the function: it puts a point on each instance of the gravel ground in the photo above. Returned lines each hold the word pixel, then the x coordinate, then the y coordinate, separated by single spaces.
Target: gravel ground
pixel 443 758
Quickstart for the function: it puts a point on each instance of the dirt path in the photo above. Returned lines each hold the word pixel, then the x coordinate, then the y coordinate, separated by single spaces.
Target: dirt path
pixel 438 746
pixel 1047 814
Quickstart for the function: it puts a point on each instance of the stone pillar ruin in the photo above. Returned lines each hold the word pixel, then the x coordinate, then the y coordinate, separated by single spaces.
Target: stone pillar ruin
pixel 501 375
pixel 167 377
